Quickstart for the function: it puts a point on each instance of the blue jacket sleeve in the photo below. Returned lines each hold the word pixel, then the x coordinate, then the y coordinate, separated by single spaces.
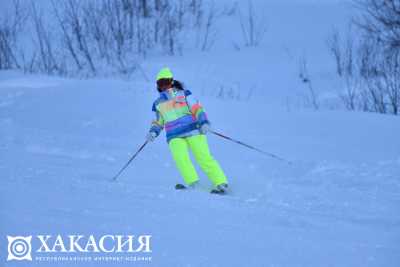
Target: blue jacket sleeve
pixel 157 125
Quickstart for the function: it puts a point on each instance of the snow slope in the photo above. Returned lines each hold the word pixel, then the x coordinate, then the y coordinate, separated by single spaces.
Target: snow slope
pixel 61 141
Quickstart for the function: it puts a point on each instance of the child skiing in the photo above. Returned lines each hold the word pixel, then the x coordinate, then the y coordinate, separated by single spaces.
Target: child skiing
pixel 185 124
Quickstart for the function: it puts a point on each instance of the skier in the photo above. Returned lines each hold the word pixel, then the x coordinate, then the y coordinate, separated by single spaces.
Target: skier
pixel 186 125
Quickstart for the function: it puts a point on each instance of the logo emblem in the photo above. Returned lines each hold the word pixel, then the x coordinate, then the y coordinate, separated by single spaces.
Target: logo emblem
pixel 19 248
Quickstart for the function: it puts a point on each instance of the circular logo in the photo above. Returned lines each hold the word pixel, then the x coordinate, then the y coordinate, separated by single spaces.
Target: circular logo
pixel 19 248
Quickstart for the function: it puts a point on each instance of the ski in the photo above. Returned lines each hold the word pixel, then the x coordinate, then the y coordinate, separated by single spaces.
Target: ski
pixel 219 191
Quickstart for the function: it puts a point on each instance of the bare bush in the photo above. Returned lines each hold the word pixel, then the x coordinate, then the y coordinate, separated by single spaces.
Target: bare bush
pixel 347 68
pixel 209 34
pixel 10 27
pixel 381 20
pixel 369 64
pixel 311 97
pixel 47 60
pixel 96 36
pixel 253 28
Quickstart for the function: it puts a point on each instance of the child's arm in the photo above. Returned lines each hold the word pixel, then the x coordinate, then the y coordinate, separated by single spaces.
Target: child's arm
pixel 157 125
pixel 196 108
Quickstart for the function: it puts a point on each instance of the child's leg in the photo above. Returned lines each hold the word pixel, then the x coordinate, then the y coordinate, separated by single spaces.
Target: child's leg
pixel 180 153
pixel 199 146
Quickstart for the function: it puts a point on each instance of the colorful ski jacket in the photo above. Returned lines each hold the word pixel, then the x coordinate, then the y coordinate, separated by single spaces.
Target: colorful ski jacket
pixel 178 113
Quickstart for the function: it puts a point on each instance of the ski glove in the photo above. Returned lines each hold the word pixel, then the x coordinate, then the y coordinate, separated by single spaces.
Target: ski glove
pixel 205 128
pixel 151 136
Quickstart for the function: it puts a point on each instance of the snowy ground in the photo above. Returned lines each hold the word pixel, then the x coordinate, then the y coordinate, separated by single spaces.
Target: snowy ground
pixel 61 141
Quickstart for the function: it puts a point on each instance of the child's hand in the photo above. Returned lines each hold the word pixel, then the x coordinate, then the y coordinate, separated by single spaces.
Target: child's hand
pixel 151 136
pixel 205 128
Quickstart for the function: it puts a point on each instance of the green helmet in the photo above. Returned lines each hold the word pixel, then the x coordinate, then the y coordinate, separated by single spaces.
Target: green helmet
pixel 165 73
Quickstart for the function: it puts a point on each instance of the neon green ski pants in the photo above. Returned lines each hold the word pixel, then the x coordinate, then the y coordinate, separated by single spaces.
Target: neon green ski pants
pixel 199 146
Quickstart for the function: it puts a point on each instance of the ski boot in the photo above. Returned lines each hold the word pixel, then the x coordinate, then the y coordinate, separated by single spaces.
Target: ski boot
pixel 221 189
pixel 182 186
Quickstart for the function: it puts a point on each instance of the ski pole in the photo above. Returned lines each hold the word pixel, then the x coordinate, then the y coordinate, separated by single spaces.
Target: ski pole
pixel 130 160
pixel 251 147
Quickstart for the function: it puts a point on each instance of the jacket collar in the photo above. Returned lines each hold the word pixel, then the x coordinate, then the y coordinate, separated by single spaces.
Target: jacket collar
pixel 167 94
